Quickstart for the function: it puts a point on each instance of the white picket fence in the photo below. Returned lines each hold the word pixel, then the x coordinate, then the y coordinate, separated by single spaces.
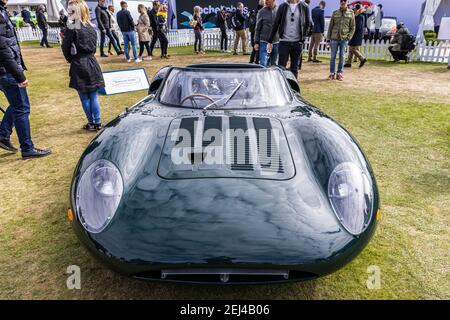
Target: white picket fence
pixel 30 34
pixel 425 51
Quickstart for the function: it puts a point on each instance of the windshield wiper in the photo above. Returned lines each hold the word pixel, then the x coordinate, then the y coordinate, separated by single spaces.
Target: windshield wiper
pixel 225 99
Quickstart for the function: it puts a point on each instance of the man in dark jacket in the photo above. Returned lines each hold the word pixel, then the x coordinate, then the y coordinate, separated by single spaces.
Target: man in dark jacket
pixel 104 25
pixel 43 25
pixel 13 84
pixel 127 27
pixel 222 25
pixel 154 25
pixel 292 22
pixel 318 19
pixel 356 41
pixel 238 22
pixel 264 24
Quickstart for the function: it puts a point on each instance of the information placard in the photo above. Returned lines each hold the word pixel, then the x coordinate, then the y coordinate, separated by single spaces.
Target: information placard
pixel 122 81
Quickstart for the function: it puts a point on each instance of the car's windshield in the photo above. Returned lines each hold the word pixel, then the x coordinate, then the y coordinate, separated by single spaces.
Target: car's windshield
pixel 227 89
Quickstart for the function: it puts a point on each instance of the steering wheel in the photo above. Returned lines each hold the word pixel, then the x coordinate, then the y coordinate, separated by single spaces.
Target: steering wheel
pixel 196 95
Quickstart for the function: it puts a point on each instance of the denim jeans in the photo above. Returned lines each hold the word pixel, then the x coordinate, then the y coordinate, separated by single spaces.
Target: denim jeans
pixel 198 41
pixel 127 38
pixel 336 45
pixel 103 36
pixel 44 40
pixel 292 50
pixel 116 37
pixel 268 59
pixel 91 106
pixel 223 39
pixel 17 114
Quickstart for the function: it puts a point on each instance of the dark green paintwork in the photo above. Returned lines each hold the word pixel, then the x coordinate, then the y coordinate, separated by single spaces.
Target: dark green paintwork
pixel 225 222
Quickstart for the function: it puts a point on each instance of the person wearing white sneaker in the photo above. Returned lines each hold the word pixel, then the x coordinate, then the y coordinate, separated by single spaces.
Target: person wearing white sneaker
pixel 144 31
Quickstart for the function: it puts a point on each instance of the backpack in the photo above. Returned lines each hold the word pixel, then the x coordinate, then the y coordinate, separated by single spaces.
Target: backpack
pixel 408 42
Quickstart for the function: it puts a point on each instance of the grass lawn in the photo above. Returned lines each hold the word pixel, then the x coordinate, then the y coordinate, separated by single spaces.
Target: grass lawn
pixel 399 113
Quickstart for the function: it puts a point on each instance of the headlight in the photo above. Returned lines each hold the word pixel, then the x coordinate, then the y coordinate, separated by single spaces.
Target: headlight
pixel 351 196
pixel 98 195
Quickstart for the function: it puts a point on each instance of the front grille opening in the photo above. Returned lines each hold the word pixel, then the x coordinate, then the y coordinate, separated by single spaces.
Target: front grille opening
pixel 225 276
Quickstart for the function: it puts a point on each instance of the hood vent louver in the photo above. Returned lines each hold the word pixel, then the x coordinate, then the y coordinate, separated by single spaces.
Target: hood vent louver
pixel 226 147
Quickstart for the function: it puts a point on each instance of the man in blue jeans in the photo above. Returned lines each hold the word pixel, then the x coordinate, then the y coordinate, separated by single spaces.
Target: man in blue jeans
pixel 292 22
pixel 126 25
pixel 104 25
pixel 341 30
pixel 13 84
pixel 264 23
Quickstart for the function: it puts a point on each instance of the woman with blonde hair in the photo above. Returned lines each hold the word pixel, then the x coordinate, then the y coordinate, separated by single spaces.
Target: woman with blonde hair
pixel 197 25
pixel 79 47
pixel 143 30
pixel 161 18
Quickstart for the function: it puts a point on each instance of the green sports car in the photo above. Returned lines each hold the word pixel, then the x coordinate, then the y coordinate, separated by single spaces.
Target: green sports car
pixel 224 174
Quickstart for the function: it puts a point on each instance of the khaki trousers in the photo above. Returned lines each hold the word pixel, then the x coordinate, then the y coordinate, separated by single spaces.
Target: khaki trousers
pixel 314 45
pixel 353 51
pixel 240 36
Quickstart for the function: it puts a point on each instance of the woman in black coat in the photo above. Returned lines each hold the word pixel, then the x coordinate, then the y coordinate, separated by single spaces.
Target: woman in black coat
pixel 79 46
pixel 43 25
pixel 357 39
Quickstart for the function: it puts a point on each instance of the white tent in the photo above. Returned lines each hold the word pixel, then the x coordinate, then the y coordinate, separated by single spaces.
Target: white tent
pixel 53 6
pixel 431 14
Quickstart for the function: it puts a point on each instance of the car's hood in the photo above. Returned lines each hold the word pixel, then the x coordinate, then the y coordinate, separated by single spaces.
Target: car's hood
pixel 217 220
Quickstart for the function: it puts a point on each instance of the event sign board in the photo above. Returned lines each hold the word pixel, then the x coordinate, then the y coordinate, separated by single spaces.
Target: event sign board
pixel 122 81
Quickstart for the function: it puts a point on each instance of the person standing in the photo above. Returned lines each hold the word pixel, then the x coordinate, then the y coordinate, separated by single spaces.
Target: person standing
pixel 291 23
pixel 197 25
pixel 340 31
pixel 144 29
pixel 238 23
pixel 356 41
pixel 79 46
pixel 104 25
pixel 43 25
pixel 252 19
pixel 222 24
pixel 126 25
pixel 154 25
pixel 114 29
pixel 13 84
pixel 162 30
pixel 378 22
pixel 318 18
pixel 264 24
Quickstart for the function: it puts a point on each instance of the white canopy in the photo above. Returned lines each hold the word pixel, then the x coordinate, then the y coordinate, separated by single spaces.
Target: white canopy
pixel 26 2
pixel 427 22
pixel 53 6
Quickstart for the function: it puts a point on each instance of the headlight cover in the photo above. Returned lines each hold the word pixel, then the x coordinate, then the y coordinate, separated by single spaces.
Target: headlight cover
pixel 351 196
pixel 98 195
